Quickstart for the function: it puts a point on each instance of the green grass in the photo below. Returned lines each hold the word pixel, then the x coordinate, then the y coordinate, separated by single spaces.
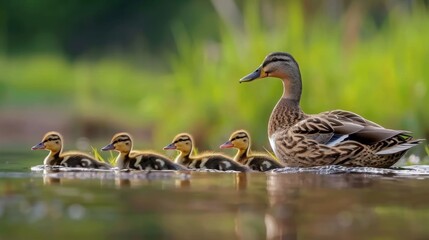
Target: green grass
pixel 381 72
pixel 110 160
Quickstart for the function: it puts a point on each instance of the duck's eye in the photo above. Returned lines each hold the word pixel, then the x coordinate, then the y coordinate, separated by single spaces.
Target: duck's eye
pixel 187 143
pixel 244 140
pixel 57 142
pixel 127 143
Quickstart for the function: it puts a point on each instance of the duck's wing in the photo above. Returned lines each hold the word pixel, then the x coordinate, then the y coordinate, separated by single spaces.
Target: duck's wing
pixel 349 117
pixel 334 127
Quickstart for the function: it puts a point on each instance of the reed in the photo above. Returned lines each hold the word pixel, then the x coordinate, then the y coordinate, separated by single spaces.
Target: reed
pixel 110 160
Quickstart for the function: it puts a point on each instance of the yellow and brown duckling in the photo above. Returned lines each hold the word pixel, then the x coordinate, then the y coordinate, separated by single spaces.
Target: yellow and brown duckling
pixel 329 138
pixel 138 160
pixel 259 162
pixel 183 143
pixel 53 142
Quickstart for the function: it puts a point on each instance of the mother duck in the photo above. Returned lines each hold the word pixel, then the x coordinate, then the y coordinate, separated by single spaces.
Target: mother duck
pixel 328 138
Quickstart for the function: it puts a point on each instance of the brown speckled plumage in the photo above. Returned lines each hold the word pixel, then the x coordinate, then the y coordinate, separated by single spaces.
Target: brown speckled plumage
pixel 335 137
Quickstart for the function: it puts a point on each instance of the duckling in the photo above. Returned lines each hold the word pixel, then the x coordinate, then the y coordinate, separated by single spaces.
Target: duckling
pixel 329 138
pixel 53 142
pixel 260 162
pixel 184 144
pixel 129 159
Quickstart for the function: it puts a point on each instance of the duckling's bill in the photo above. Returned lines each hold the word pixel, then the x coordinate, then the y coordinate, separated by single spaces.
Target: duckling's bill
pixel 170 146
pixel 227 144
pixel 38 146
pixel 108 147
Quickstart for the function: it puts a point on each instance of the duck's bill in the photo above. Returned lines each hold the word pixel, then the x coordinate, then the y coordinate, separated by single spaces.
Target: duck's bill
pixel 108 147
pixel 170 146
pixel 252 76
pixel 227 145
pixel 38 146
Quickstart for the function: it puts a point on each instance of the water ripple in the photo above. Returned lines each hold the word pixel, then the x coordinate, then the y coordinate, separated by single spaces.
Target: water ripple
pixel 335 169
pixel 85 173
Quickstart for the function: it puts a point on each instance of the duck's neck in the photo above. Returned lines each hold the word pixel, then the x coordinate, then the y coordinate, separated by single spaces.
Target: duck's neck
pixel 121 159
pixel 241 155
pixel 53 158
pixel 292 86
pixel 287 112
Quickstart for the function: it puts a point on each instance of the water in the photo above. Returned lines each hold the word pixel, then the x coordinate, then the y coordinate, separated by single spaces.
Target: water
pixel 318 203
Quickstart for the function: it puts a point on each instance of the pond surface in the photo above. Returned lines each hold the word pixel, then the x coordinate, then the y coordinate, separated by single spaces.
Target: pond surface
pixel 318 203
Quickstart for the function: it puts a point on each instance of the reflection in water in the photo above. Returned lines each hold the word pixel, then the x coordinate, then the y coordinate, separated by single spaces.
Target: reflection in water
pixel 123 178
pixel 196 205
pixel 49 178
pixel 183 183
pixel 280 222
pixel 288 200
pixel 284 203
pixel 240 180
pixel 281 215
pixel 121 182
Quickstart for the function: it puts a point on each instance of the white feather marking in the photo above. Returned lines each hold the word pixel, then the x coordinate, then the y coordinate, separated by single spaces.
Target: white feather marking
pixel 272 143
pixel 396 149
pixel 336 141
pixel 203 163
pixel 266 164
pixel 227 165
pixel 87 161
pixel 161 162
pixel 137 163
pixel 64 161
pixel 273 146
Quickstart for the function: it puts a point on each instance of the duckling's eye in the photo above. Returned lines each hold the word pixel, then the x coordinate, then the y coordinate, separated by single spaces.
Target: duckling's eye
pixel 127 143
pixel 244 140
pixel 57 142
pixel 187 143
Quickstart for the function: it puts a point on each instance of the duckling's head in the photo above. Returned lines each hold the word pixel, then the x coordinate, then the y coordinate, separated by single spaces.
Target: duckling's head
pixel 52 141
pixel 278 64
pixel 182 142
pixel 121 142
pixel 239 139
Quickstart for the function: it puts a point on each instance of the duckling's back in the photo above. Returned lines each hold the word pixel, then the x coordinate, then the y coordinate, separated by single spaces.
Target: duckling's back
pixel 217 162
pixel 76 159
pixel 151 161
pixel 262 163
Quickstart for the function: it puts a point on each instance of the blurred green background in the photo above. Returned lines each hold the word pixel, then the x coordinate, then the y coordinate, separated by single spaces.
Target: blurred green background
pixel 156 68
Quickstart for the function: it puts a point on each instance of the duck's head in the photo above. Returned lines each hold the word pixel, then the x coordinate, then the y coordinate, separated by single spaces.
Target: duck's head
pixel 278 64
pixel 121 142
pixel 239 139
pixel 182 142
pixel 52 141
